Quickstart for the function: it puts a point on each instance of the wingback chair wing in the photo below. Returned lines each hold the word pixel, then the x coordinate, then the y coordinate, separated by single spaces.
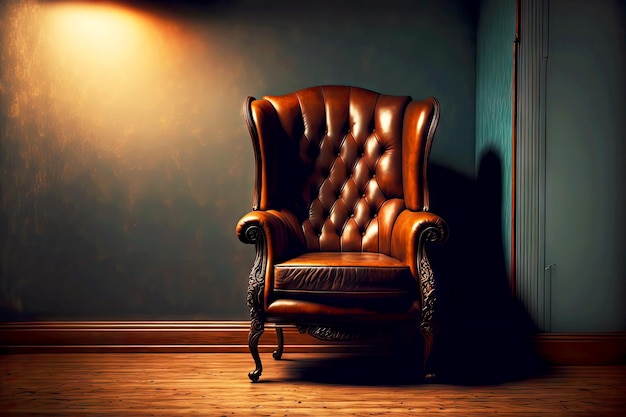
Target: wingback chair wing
pixel 340 215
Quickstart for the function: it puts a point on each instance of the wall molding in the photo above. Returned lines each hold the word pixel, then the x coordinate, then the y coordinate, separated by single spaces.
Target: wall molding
pixel 532 274
pixel 232 337
pixel 582 348
pixel 149 336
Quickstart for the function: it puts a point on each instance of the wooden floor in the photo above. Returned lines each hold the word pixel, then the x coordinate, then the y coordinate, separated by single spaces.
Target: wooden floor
pixel 299 385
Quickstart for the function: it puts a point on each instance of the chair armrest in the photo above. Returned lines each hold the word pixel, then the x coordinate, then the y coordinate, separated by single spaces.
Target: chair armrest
pixel 276 238
pixel 280 230
pixel 411 230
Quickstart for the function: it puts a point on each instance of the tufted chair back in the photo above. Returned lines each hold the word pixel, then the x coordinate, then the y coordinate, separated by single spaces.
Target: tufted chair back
pixel 343 161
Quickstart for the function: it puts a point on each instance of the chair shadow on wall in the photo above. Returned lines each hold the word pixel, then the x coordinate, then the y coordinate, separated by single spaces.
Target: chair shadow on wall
pixel 483 334
pixel 485 331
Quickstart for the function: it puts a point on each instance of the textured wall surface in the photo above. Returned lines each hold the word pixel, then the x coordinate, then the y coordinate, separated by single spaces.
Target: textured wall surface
pixel 125 163
pixel 494 72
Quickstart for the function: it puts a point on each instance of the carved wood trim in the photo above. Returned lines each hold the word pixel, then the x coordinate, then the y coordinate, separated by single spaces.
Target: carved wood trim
pixel 256 282
pixel 339 334
pixel 429 141
pixel 427 278
pixel 258 177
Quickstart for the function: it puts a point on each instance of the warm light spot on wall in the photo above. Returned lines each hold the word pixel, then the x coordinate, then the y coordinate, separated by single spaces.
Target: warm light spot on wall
pixel 124 75
pixel 107 94
pixel 104 33
pixel 105 57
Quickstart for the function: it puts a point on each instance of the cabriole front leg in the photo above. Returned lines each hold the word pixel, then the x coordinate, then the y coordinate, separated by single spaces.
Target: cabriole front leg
pixel 256 330
pixel 254 299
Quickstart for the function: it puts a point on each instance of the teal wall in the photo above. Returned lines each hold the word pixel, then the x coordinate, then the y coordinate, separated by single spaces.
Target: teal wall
pixel 125 166
pixel 494 111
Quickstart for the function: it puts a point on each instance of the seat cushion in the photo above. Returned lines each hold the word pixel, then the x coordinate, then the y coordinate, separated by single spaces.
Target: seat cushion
pixel 346 279
pixel 288 311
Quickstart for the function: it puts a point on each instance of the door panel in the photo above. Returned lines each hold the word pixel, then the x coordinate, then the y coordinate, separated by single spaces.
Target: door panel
pixel 585 175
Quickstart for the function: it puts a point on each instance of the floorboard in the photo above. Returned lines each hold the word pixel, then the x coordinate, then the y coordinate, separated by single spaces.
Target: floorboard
pixel 299 385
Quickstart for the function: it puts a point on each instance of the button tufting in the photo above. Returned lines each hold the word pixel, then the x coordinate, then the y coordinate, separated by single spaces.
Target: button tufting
pixel 352 215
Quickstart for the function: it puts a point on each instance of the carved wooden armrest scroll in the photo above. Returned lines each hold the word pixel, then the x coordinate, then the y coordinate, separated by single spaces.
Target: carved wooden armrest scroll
pixel 256 281
pixel 431 234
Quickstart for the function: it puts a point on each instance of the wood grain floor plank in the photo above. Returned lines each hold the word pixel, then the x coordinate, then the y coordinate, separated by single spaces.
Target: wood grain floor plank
pixel 300 385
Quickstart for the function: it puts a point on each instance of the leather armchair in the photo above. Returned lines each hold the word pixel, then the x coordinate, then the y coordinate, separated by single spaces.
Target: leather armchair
pixel 340 215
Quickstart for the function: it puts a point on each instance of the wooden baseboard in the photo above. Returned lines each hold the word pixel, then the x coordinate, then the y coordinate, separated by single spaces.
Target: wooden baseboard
pixel 149 336
pixel 582 348
pixel 232 337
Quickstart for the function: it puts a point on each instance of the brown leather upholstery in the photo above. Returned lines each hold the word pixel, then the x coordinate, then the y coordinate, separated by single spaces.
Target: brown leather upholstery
pixel 317 314
pixel 366 279
pixel 340 212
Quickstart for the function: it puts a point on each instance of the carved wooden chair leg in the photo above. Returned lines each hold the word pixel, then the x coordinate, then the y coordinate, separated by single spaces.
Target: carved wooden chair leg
pixel 254 298
pixel 429 374
pixel 278 353
pixel 256 330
